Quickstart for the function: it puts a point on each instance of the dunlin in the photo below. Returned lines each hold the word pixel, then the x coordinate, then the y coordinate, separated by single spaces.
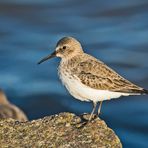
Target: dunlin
pixel 8 110
pixel 87 78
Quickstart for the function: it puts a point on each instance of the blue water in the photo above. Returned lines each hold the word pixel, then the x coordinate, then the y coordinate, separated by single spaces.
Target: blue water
pixel 114 31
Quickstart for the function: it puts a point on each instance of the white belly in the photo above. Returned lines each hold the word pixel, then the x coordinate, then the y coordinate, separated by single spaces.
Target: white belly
pixel 85 93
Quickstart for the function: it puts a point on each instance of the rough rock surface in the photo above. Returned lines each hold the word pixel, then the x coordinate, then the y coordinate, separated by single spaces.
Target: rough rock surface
pixel 58 131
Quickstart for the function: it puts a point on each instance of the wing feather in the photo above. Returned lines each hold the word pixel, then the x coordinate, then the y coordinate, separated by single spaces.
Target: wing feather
pixel 97 75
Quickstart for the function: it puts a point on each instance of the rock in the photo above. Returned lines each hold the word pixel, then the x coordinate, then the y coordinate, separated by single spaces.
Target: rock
pixel 58 131
pixel 9 110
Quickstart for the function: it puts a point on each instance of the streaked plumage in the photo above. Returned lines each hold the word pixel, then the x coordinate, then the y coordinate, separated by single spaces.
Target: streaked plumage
pixel 87 78
pixel 95 74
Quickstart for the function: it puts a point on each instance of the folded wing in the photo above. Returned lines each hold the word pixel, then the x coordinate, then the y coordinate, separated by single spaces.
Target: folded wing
pixel 95 74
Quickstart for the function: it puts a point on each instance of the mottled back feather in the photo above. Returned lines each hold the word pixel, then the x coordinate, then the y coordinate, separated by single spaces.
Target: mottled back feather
pixel 97 75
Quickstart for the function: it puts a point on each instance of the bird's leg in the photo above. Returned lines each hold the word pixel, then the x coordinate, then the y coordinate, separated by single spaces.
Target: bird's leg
pixel 94 108
pixel 99 109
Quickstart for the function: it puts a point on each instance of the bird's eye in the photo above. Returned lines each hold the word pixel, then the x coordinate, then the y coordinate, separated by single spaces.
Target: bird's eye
pixel 64 47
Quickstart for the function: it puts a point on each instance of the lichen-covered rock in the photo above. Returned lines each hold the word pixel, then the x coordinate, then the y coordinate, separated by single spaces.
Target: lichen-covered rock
pixel 57 131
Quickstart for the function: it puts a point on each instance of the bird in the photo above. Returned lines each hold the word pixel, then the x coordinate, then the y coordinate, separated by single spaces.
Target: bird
pixel 87 78
pixel 9 110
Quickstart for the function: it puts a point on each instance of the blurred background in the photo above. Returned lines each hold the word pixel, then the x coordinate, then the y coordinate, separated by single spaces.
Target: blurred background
pixel 114 31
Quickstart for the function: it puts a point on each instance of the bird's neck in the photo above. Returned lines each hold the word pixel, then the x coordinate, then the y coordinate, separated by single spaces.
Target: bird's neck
pixel 72 56
pixel 71 62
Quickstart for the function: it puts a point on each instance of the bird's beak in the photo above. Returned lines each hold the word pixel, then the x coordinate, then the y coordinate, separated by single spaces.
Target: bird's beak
pixel 48 57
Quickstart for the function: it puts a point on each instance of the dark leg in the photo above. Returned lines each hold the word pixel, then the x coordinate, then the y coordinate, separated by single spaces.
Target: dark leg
pixel 94 108
pixel 99 110
pixel 83 123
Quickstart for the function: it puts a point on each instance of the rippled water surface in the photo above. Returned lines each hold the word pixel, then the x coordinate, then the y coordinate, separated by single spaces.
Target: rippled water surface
pixel 114 31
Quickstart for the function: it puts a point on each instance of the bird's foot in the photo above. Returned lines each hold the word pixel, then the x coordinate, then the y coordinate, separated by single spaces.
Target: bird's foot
pixel 85 119
pixel 88 117
pixel 99 113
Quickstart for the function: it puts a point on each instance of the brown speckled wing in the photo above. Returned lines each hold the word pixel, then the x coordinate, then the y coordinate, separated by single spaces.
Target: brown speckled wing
pixel 97 75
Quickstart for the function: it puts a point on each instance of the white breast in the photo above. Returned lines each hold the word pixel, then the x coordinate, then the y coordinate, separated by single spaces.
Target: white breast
pixel 85 93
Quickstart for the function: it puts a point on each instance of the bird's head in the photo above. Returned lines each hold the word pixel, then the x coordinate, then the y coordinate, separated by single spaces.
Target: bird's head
pixel 66 48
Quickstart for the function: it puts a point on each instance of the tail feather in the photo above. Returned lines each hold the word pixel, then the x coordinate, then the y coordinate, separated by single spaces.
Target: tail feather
pixel 145 91
pixel 136 91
